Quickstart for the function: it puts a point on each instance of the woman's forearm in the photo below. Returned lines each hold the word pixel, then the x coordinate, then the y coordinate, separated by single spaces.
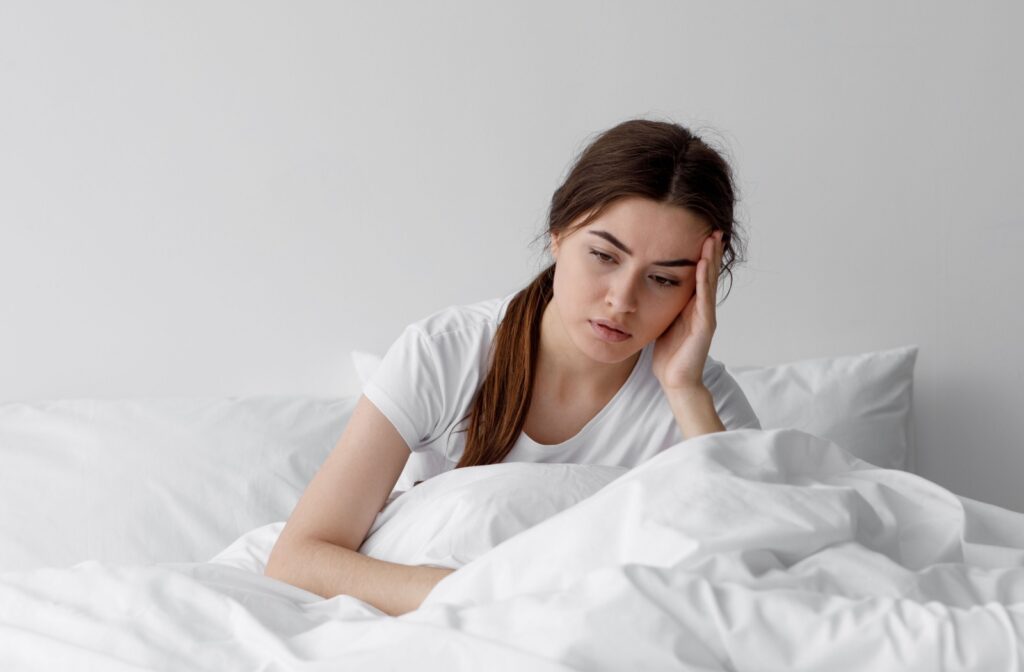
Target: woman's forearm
pixel 694 410
pixel 328 570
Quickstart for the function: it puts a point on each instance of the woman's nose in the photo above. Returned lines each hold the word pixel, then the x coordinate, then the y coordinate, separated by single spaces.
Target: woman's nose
pixel 621 294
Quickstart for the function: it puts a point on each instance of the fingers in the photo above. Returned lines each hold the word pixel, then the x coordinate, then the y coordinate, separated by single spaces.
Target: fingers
pixel 716 265
pixel 721 255
pixel 708 271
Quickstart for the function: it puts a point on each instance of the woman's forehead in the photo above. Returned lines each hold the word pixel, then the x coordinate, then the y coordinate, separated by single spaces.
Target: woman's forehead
pixel 639 216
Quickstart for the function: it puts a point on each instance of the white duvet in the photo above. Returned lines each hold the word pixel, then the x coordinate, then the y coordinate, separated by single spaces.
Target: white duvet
pixel 743 550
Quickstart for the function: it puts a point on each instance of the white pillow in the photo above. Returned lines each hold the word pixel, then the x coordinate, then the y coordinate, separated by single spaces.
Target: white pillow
pixel 456 516
pixel 459 515
pixel 862 403
pixel 153 480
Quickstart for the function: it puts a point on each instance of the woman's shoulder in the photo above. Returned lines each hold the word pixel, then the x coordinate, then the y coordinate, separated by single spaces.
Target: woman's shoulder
pixel 472 318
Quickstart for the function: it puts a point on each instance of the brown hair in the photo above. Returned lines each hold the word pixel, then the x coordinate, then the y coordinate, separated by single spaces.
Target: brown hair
pixel 662 161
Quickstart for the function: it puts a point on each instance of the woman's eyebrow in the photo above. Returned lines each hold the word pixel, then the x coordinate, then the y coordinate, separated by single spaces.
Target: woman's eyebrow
pixel 619 244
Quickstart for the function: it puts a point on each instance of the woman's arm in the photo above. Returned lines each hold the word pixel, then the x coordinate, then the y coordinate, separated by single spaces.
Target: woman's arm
pixel 328 570
pixel 318 547
pixel 681 352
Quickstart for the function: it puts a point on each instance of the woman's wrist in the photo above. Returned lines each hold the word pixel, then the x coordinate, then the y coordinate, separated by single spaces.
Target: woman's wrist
pixel 694 409
pixel 428 576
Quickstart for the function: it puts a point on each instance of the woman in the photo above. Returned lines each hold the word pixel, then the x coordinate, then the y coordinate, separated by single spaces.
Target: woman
pixel 603 358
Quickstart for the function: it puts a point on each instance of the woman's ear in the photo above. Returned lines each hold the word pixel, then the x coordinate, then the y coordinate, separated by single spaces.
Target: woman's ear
pixel 554 246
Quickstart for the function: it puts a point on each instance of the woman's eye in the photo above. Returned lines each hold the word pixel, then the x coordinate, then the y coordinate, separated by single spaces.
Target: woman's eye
pixel 658 280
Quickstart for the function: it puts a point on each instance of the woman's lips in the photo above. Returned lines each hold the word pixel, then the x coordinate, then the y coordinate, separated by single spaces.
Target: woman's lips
pixel 607 333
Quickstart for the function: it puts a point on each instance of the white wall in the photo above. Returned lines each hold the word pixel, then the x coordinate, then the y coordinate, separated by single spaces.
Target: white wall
pixel 226 197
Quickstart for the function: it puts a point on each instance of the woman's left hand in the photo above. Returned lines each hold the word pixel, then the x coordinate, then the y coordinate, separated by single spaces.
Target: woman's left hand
pixel 681 352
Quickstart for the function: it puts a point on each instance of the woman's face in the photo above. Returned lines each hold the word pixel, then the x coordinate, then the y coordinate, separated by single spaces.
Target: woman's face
pixel 609 270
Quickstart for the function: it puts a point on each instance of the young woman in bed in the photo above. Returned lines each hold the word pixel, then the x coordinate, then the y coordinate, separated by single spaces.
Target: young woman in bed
pixel 603 358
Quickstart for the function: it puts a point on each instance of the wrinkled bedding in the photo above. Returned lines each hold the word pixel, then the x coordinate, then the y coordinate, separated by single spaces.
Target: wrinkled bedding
pixel 743 550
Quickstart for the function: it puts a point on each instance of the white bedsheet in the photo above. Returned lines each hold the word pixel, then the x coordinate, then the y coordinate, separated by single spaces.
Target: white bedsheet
pixel 744 550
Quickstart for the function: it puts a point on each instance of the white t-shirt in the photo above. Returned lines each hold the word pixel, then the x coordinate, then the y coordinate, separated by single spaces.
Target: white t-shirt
pixel 425 383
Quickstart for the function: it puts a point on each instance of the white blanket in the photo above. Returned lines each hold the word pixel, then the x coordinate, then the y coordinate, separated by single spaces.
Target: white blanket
pixel 744 550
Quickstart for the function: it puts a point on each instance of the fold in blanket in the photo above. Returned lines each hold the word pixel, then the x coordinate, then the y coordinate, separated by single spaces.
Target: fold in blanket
pixel 744 550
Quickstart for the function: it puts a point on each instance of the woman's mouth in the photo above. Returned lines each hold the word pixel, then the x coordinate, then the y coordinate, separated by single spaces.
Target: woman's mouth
pixel 607 333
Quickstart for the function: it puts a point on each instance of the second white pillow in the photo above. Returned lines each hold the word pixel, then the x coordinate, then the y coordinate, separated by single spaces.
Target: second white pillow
pixel 862 403
pixel 457 516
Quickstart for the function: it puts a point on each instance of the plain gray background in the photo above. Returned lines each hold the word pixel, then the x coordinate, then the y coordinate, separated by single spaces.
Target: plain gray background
pixel 225 198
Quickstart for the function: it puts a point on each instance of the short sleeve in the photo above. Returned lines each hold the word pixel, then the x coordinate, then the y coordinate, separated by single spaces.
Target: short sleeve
pixel 731 403
pixel 406 387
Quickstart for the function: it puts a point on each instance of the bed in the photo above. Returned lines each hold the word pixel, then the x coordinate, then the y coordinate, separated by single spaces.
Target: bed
pixel 133 534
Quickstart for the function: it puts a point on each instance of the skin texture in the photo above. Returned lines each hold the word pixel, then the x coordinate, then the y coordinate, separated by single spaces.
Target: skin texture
pixel 627 289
